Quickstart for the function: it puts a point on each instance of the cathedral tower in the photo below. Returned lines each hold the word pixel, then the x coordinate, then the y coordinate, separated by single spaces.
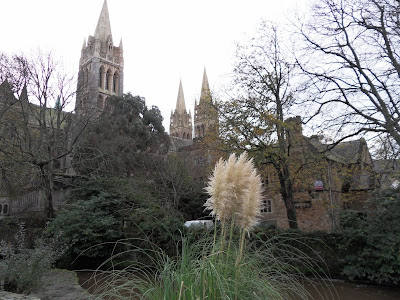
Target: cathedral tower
pixel 181 120
pixel 101 68
pixel 205 115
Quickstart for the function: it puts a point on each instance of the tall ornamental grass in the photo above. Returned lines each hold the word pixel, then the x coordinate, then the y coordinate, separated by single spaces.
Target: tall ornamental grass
pixel 227 264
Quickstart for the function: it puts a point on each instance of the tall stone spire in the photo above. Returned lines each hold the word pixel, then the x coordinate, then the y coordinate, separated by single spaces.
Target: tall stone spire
pixel 205 115
pixel 101 68
pixel 181 121
pixel 103 28
pixel 180 101
pixel 205 95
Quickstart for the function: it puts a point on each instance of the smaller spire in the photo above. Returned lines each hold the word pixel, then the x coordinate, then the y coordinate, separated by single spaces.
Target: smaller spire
pixel 58 103
pixel 205 89
pixel 103 28
pixel 84 44
pixel 120 44
pixel 24 94
pixel 180 101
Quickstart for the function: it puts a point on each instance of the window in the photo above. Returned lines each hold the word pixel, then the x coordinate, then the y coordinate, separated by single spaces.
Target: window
pixel 267 206
pixel 315 194
pixel 302 204
pixel 108 77
pixel 199 161
pixel 85 78
pixel 101 77
pixel 4 209
pixel 115 85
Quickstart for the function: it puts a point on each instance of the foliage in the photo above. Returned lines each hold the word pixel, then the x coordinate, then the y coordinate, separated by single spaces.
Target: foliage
pixel 223 266
pixel 371 241
pixel 101 212
pixel 121 138
pixel 177 186
pixel 254 120
pixel 22 268
pixel 88 221
pixel 207 268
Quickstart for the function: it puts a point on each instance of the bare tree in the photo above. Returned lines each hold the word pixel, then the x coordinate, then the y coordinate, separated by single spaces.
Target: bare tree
pixel 352 60
pixel 254 119
pixel 37 134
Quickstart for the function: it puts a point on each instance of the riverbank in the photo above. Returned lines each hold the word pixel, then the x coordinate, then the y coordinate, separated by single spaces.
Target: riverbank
pixel 319 289
pixel 57 285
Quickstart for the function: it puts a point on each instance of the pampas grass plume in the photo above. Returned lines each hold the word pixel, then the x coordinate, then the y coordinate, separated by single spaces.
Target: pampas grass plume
pixel 235 191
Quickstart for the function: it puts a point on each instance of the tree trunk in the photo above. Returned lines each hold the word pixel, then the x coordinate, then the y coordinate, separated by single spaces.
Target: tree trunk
pixel 47 186
pixel 286 185
pixel 286 191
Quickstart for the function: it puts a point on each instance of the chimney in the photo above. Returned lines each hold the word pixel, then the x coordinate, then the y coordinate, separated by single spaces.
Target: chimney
pixel 294 126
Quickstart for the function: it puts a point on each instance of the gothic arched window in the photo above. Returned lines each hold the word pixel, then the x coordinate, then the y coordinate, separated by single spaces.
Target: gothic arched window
pixel 115 82
pixel 101 77
pixel 108 77
pixel 5 209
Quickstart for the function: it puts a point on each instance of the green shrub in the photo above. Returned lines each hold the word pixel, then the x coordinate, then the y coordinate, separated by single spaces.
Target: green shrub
pixel 103 211
pixel 370 243
pixel 22 268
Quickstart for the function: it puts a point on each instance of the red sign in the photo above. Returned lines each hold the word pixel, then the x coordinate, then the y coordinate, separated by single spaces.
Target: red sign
pixel 318 185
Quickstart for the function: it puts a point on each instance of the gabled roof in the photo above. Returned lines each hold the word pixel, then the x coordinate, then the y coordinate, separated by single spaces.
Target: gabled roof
pixel 387 165
pixel 345 152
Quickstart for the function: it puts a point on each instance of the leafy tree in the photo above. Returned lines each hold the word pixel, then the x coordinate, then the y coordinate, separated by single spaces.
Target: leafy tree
pixel 37 134
pixel 123 136
pixel 100 212
pixel 177 186
pixel 254 120
pixel 352 60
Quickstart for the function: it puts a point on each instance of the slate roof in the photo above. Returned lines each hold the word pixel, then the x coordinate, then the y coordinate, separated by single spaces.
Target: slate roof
pixel 345 152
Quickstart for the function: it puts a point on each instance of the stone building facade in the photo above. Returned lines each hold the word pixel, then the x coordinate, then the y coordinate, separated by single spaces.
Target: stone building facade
pixel 101 68
pixel 326 181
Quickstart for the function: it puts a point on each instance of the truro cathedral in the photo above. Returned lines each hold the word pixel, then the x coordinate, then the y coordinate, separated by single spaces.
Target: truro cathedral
pixel 101 67
pixel 101 74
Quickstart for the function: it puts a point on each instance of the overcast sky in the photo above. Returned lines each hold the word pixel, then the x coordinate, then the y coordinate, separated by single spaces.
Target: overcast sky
pixel 164 40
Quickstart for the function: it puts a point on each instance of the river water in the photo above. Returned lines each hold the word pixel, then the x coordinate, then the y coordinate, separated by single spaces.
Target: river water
pixel 339 289
pixel 332 290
